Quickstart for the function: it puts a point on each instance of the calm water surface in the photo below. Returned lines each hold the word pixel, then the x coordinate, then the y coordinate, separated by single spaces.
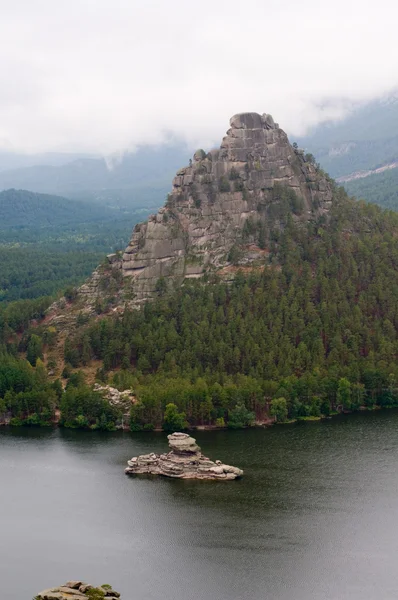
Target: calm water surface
pixel 315 517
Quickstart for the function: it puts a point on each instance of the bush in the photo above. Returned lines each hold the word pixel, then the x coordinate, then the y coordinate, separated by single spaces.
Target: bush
pixel 235 255
pixel 224 185
pixel 239 417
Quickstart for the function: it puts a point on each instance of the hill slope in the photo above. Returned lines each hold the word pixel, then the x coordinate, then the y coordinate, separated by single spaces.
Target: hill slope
pixel 272 294
pixel 133 179
pixel 381 188
pixel 48 243
pixel 225 209
pixel 22 208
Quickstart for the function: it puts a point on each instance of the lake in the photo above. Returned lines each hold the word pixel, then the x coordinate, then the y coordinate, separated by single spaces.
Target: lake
pixel 315 516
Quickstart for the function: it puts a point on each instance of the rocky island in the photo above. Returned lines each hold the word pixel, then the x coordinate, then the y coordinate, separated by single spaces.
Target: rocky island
pixel 184 461
pixel 78 590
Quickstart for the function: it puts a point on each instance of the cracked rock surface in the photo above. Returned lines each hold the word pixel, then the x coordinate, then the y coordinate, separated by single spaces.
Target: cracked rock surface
pixel 77 590
pixel 213 197
pixel 184 461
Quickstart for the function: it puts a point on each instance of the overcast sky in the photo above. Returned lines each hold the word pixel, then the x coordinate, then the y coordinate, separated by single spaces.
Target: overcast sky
pixel 105 75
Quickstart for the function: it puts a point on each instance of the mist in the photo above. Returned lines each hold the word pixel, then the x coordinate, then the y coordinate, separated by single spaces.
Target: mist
pixel 101 76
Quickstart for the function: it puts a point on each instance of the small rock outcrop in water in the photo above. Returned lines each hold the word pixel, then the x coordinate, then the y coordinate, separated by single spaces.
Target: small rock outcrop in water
pixel 78 590
pixel 184 461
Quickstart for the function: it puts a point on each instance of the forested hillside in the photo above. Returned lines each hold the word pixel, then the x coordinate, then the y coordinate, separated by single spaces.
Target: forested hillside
pixel 314 332
pixel 22 208
pixel 132 180
pixel 382 188
pixel 295 314
pixel 48 243
pixel 28 396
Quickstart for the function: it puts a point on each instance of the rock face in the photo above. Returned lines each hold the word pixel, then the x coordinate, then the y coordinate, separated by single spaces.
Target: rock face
pixel 77 590
pixel 223 213
pixel 234 196
pixel 121 400
pixel 184 461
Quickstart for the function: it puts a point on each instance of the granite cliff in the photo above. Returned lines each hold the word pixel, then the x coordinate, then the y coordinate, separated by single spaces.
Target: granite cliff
pixel 223 211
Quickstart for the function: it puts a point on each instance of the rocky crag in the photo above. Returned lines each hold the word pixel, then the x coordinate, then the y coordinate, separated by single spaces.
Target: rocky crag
pixel 184 461
pixel 120 400
pixel 223 210
pixel 78 590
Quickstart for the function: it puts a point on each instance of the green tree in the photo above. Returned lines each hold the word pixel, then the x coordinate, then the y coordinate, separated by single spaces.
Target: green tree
pixel 173 419
pixel 239 417
pixel 344 394
pixel 279 409
pixel 35 349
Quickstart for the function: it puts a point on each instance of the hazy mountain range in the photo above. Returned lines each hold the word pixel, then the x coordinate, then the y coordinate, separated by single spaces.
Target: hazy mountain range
pixel 131 179
pixel 351 150
pixel 367 138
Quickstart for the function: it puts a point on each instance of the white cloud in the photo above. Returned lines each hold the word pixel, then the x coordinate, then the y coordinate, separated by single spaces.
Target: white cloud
pixel 107 75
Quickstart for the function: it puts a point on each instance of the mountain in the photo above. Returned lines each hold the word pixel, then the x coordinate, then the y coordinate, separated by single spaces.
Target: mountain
pixel 48 242
pixel 272 294
pixel 365 139
pixel 16 160
pixel 133 179
pixel 225 208
pixel 380 188
pixel 22 208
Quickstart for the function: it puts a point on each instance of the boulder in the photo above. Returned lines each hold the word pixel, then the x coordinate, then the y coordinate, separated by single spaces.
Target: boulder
pixel 182 443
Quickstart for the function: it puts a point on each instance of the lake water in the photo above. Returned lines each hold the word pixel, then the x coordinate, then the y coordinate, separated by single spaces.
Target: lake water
pixel 315 516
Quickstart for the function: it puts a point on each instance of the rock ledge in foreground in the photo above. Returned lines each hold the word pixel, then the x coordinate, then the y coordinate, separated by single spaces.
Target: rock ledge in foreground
pixel 184 461
pixel 78 590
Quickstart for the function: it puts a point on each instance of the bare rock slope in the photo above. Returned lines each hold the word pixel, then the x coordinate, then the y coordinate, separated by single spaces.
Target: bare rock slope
pixel 184 461
pixel 227 198
pixel 221 213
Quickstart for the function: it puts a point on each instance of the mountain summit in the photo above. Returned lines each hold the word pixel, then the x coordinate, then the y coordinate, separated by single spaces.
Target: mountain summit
pixel 225 212
pixel 224 206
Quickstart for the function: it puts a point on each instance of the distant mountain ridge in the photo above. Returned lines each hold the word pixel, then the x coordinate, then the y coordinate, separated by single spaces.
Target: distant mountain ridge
pixel 16 160
pixel 134 178
pixel 22 208
pixel 367 138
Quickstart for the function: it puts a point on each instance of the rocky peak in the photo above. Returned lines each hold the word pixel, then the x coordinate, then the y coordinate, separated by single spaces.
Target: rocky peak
pixel 223 207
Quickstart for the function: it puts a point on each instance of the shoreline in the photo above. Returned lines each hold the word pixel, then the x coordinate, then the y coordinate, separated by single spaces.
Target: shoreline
pixel 258 425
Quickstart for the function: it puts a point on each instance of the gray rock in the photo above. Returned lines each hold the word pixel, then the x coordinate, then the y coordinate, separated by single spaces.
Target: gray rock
pixel 75 590
pixel 121 400
pixel 184 461
pixel 205 215
pixel 213 198
pixel 74 584
pixel 182 443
